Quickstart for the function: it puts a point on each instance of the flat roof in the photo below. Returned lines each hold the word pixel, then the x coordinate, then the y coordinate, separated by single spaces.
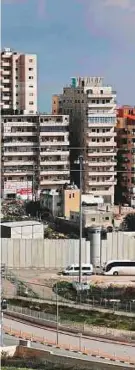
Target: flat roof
pixel 20 223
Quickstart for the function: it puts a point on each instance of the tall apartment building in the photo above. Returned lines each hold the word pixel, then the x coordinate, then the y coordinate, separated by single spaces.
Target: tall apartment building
pixel 18 82
pixel 125 129
pixel 92 109
pixel 54 151
pixel 35 154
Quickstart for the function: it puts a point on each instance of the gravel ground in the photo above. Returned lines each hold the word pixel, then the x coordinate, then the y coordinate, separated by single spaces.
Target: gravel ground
pixel 41 282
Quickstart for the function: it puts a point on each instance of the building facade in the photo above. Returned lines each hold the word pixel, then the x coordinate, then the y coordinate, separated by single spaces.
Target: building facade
pixel 18 82
pixel 54 151
pixel 125 129
pixel 35 154
pixel 92 109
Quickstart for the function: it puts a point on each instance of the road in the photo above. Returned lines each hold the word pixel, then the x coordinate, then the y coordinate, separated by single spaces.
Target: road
pixel 92 344
pixel 10 341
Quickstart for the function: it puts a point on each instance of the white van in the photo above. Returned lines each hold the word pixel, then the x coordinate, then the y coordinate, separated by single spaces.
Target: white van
pixel 73 270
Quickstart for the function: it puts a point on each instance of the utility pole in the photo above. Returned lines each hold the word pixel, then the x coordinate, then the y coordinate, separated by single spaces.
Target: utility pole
pixel 80 240
pixel 57 307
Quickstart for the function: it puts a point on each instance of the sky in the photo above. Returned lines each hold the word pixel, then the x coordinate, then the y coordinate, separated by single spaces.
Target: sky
pixel 74 38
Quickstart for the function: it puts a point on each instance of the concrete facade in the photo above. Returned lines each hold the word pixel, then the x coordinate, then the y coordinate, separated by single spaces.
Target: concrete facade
pixel 18 81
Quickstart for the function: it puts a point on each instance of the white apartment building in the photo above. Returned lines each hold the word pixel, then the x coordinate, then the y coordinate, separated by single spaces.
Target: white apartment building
pixel 18 82
pixel 92 109
pixel 35 154
pixel 20 152
pixel 54 151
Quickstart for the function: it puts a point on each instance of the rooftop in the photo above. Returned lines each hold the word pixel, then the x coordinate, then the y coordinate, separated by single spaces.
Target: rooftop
pixel 20 223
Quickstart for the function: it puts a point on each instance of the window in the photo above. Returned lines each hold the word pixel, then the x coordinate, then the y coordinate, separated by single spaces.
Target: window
pixel 86 268
pixel 70 196
pixel 31 86
pixel 93 219
pixel 106 218
pixel 31 94
pixel 76 268
pixel 30 69
pixel 16 94
pixel 31 103
pixel 30 60
pixel 30 77
pixel 73 195
pixel 16 77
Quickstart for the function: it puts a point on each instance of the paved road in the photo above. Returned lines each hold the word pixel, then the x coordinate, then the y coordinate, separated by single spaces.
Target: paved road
pixel 10 341
pixel 64 338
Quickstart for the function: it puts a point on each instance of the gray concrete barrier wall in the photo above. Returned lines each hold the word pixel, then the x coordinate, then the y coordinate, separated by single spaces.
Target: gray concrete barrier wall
pixel 119 245
pixel 55 254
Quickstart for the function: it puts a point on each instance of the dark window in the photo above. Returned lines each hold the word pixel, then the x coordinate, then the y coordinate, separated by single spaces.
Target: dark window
pixel 86 268
pixel 76 268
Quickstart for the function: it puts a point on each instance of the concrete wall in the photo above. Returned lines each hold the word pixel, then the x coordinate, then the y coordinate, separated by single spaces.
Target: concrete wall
pixel 119 245
pixel 28 232
pixel 55 254
pixel 42 253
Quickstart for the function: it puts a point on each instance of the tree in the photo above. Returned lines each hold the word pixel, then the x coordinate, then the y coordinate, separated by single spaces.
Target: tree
pixel 129 222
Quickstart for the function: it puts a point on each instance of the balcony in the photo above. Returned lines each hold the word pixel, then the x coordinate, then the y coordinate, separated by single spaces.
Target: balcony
pixel 52 152
pixel 51 143
pixel 102 96
pixel 53 172
pixel 105 164
pixel 104 173
pixel 103 154
pixel 53 163
pixel 20 143
pixel 51 134
pixel 54 182
pixel 10 154
pixel 6 80
pixel 12 172
pixel 102 183
pixel 101 144
pixel 101 125
pixel 54 124
pixel 18 163
pixel 101 192
pixel 101 134
pixel 6 73
pixel 21 124
pixel 15 134
pixel 112 104
pixel 5 63
pixel 6 98
pixel 5 89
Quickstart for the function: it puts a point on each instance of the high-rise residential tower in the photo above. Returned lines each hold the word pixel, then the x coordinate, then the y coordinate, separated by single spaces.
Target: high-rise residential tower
pixel 125 130
pixel 18 82
pixel 92 109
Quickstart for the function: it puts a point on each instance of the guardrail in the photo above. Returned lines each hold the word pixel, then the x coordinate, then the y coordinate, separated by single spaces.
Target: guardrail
pixel 42 340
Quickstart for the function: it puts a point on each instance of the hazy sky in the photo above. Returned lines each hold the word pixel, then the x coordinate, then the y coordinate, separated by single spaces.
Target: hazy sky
pixel 74 37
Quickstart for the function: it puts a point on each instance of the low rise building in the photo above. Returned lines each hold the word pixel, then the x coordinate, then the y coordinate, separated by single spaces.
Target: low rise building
pixel 22 230
pixel 61 203
pixel 92 217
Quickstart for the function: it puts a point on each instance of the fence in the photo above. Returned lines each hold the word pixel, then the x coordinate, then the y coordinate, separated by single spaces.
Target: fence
pixel 42 318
